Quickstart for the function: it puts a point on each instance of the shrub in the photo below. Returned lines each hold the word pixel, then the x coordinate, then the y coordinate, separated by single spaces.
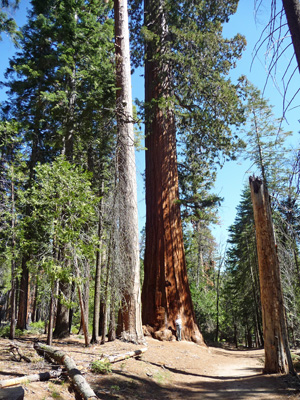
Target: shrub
pixel 101 367
pixel 5 330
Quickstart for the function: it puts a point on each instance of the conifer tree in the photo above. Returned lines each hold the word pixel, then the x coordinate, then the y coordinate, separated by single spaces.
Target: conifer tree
pixel 62 91
pixel 130 321
pixel 242 294
pixel 187 91
pixel 7 23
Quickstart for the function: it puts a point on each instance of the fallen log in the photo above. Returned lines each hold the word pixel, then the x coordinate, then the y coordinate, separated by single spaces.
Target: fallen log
pixel 61 357
pixel 42 376
pixel 120 357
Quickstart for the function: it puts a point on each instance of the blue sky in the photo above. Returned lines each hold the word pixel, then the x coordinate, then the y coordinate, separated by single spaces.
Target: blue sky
pixel 234 175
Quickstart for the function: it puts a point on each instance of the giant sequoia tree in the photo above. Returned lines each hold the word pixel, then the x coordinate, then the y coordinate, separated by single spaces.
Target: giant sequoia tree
pixel 186 91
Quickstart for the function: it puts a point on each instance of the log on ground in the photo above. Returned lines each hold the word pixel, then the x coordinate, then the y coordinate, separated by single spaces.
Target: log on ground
pixel 61 357
pixel 120 357
pixel 42 376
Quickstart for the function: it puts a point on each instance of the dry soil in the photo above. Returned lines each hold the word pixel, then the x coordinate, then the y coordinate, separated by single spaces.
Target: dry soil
pixel 167 370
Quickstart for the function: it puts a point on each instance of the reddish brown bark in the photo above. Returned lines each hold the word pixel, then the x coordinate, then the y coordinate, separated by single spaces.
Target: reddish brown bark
pixel 166 290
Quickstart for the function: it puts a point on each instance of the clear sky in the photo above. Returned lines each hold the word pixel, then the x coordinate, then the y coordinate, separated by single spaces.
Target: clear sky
pixel 234 175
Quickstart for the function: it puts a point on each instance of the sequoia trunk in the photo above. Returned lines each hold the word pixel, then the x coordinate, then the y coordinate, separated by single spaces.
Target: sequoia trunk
pixel 166 290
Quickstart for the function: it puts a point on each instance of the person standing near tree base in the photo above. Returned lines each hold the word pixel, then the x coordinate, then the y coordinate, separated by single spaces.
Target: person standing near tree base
pixel 178 324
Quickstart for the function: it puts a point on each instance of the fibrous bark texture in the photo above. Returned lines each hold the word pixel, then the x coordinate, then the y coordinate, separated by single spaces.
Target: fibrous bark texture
pixel 166 290
pixel 277 353
pixel 128 218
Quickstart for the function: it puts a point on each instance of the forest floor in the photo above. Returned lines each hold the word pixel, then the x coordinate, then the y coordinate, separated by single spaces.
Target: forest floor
pixel 167 370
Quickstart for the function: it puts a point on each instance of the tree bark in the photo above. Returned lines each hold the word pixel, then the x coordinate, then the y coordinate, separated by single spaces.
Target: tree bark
pixel 292 12
pixel 97 298
pixel 35 297
pixel 62 317
pixel 23 296
pixel 83 317
pixel 277 352
pixel 51 313
pixel 166 290
pixel 13 265
pixel 105 302
pixel 129 232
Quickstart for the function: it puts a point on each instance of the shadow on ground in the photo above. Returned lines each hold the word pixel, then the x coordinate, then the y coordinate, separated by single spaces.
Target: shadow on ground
pixel 126 386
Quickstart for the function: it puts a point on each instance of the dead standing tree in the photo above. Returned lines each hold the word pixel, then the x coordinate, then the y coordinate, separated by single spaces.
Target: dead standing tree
pixel 131 322
pixel 277 352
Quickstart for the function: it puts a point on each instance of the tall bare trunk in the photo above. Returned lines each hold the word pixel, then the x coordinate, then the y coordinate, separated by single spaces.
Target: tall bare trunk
pixel 166 290
pixel 131 312
pixel 277 352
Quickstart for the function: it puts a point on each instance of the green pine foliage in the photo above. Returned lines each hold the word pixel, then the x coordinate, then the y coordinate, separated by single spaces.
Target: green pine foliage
pixel 57 157
pixel 61 85
pixel 63 218
pixel 61 82
pixel 241 293
pixel 205 101
pixel 266 142
pixel 7 23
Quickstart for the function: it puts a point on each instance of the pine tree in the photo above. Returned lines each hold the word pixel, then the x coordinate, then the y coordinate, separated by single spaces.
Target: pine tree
pixel 7 24
pixel 242 293
pixel 62 91
pixel 265 142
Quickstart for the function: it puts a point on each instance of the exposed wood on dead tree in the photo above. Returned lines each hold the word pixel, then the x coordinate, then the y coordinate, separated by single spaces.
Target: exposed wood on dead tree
pixel 61 357
pixel 131 315
pixel 42 376
pixel 277 352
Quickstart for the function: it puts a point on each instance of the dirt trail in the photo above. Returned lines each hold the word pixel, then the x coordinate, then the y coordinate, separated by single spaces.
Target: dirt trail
pixel 167 370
